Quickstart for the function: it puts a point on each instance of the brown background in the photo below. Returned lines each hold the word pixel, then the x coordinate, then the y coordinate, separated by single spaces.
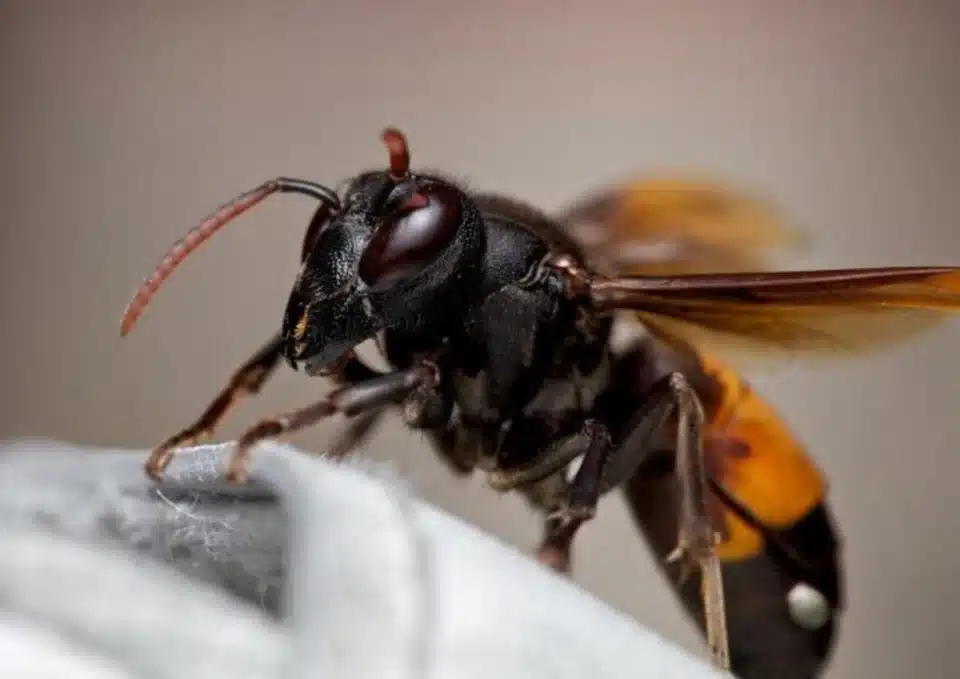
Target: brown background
pixel 124 122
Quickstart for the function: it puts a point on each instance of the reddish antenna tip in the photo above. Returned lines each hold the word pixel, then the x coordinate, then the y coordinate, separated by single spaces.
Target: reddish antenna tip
pixel 190 242
pixel 130 315
pixel 399 152
pixel 133 310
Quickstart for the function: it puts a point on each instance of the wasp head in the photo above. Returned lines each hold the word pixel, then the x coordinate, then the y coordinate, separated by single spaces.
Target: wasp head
pixel 400 251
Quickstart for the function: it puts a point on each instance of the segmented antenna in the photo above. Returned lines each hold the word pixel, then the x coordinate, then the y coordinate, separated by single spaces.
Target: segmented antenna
pixel 399 153
pixel 209 226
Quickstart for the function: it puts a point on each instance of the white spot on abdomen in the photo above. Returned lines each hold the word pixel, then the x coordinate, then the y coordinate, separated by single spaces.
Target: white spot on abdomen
pixel 808 607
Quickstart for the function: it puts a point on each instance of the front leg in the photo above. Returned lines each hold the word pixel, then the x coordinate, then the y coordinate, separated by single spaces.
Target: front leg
pixel 246 380
pixel 348 400
pixel 358 429
pixel 426 407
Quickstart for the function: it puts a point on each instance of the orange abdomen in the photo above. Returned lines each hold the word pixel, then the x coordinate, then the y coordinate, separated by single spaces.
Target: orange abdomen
pixel 780 558
pixel 752 455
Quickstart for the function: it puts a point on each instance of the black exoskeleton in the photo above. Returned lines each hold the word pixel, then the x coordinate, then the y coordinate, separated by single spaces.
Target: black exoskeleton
pixel 482 306
pixel 499 331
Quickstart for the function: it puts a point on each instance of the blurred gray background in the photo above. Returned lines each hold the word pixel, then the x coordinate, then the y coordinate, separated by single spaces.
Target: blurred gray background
pixel 126 122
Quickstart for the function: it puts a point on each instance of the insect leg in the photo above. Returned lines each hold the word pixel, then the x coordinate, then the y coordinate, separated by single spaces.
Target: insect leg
pixel 583 494
pixel 426 407
pixel 355 433
pixel 420 411
pixel 246 380
pixel 697 537
pixel 552 460
pixel 358 429
pixel 620 465
pixel 348 400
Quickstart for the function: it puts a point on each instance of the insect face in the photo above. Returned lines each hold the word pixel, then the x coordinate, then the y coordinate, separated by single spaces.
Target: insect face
pixel 399 253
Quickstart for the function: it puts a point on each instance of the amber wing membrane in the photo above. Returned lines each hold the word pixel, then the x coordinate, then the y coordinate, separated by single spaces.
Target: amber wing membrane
pixel 813 312
pixel 678 224
pixel 712 234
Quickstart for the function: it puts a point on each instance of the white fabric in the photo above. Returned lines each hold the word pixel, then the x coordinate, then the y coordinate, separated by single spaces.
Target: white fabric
pixel 315 570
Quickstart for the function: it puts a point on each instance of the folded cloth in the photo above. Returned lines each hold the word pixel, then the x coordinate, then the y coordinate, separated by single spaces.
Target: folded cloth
pixel 313 569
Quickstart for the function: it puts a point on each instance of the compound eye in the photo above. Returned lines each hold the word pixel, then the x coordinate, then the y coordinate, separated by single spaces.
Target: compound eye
pixel 320 219
pixel 412 237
